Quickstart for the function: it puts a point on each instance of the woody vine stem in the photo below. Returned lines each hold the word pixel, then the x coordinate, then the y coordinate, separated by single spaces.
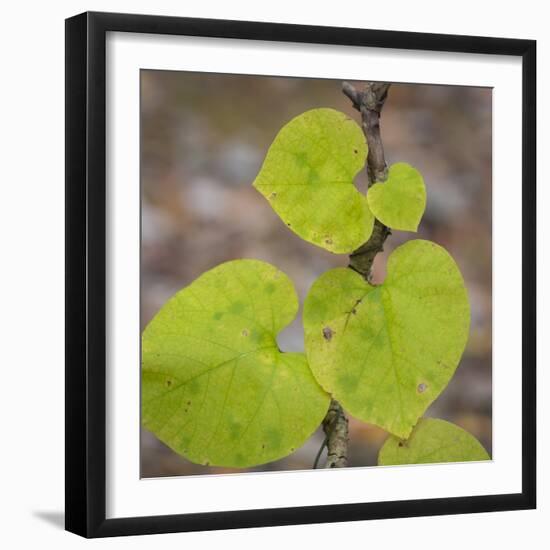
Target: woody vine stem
pixel 369 103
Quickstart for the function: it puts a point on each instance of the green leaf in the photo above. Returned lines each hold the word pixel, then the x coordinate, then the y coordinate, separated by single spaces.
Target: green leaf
pixel 386 352
pixel 400 202
pixel 215 387
pixel 307 177
pixel 432 440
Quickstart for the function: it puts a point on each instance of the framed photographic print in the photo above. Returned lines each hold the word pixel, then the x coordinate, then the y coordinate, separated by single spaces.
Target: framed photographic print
pixel 300 274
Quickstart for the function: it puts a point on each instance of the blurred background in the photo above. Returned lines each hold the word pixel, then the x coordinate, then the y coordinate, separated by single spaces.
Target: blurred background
pixel 203 140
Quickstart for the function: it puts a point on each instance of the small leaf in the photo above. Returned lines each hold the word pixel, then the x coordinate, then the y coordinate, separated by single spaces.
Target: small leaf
pixel 393 347
pixel 307 177
pixel 215 387
pixel 400 202
pixel 432 440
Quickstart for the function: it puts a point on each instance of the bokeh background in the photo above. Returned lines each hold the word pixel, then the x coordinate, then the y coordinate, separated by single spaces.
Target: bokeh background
pixel 203 139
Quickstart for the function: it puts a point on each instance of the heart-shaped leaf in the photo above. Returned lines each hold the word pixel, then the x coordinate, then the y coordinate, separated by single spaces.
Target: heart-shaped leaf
pixel 215 387
pixel 386 352
pixel 400 201
pixel 307 176
pixel 432 440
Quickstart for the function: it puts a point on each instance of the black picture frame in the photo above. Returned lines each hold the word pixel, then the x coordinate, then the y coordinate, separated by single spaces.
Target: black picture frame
pixel 86 274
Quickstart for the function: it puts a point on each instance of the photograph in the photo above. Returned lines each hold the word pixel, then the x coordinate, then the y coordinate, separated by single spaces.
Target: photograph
pixel 315 273
pixel 274 275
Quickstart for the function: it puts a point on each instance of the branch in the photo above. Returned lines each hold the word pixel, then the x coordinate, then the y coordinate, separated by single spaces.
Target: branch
pixel 335 426
pixel 369 103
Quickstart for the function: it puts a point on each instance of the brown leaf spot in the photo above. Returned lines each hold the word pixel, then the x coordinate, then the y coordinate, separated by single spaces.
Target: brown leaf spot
pixel 421 387
pixel 245 332
pixel 327 334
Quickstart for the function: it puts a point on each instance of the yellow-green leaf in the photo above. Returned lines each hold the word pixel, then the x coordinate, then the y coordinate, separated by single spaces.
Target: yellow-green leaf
pixel 431 441
pixel 307 177
pixel 400 201
pixel 215 387
pixel 386 352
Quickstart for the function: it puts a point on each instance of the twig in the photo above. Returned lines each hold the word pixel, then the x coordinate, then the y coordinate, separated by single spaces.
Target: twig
pixel 320 452
pixel 335 426
pixel 369 103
